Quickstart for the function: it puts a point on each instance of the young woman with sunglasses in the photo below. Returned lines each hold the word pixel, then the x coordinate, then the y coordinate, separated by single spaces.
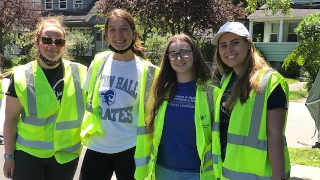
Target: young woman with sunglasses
pixel 181 114
pixel 44 110
pixel 117 83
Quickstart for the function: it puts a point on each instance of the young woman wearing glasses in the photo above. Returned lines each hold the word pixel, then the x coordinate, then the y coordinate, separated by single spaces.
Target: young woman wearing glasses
pixel 180 119
pixel 44 110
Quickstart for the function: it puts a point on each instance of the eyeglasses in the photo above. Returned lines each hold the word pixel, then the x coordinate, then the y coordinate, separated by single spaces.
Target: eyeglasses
pixel 59 42
pixel 183 53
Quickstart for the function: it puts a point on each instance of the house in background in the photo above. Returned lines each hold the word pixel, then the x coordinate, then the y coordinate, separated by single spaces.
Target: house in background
pixel 77 15
pixel 279 38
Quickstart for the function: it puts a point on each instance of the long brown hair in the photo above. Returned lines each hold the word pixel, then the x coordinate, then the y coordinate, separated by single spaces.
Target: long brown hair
pixel 165 85
pixel 137 46
pixel 248 79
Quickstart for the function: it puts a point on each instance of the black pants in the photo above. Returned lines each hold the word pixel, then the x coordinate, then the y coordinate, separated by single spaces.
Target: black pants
pixel 28 167
pixel 100 166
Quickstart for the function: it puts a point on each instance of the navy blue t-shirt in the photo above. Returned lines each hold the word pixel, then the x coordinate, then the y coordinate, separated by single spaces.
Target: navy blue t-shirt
pixel 178 149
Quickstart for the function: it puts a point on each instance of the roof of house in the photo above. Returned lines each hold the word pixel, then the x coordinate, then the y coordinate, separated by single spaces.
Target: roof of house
pixel 299 10
pixel 76 16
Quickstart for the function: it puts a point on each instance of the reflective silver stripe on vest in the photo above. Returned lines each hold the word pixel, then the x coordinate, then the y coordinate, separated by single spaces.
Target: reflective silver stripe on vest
pixel 35 121
pixel 215 158
pixel 207 158
pixel 89 103
pixel 245 176
pixel 72 148
pixel 216 127
pixel 149 80
pixel 142 161
pixel 210 102
pixel 79 99
pixel 31 95
pixel 35 144
pixel 252 139
pixel 45 145
pixel 142 130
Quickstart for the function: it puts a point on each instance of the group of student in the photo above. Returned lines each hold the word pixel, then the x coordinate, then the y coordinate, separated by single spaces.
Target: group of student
pixel 172 122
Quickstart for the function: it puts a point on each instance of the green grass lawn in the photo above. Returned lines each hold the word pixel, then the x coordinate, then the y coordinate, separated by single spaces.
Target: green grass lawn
pixel 305 156
pixel 291 81
pixel 296 95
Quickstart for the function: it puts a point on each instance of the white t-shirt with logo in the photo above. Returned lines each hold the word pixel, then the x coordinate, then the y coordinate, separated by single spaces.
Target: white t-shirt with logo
pixel 119 105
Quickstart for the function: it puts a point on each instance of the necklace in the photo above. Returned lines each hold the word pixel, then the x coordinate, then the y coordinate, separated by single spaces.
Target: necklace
pixel 48 62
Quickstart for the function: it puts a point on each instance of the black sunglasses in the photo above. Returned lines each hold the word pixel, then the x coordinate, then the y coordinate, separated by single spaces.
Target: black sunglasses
pixel 59 42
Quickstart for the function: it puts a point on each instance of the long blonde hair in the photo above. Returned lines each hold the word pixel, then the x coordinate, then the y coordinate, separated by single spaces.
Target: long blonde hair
pixel 248 79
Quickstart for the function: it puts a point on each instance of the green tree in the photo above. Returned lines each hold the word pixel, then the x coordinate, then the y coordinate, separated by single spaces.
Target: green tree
pixel 155 46
pixel 79 43
pixel 176 16
pixel 16 14
pixel 307 52
pixel 270 5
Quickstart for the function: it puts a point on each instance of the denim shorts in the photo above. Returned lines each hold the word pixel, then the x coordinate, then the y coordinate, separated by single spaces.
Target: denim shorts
pixel 162 173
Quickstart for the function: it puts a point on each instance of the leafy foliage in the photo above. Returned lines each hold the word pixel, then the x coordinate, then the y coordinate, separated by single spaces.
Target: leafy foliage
pixel 176 16
pixel 155 46
pixel 79 43
pixel 275 6
pixel 308 48
pixel 18 14
pixel 291 65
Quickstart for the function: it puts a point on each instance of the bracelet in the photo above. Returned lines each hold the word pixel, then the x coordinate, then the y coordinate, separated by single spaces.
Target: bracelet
pixel 8 156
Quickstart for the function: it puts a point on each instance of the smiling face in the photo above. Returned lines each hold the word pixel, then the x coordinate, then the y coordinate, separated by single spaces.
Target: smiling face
pixel 182 65
pixel 51 51
pixel 233 50
pixel 119 33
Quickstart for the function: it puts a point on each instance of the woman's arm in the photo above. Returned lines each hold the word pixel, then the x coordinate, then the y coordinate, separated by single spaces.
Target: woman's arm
pixel 12 114
pixel 275 125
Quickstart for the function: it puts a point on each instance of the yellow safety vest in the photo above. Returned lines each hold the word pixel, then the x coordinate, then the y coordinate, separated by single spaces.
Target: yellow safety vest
pixel 146 154
pixel 46 127
pixel 1 90
pixel 246 155
pixel 92 122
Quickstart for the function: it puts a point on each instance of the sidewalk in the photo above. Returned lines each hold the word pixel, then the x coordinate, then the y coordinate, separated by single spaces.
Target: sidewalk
pixel 301 128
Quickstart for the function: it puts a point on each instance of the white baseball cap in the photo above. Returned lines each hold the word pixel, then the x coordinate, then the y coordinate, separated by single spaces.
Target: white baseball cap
pixel 232 27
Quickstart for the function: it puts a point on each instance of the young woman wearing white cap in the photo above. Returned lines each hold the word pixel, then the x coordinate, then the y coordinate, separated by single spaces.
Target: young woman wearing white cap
pixel 253 111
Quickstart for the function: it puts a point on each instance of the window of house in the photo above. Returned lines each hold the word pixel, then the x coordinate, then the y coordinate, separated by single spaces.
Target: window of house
pixel 99 36
pixel 48 4
pixel 78 4
pixel 100 41
pixel 274 32
pixel 292 37
pixel 63 4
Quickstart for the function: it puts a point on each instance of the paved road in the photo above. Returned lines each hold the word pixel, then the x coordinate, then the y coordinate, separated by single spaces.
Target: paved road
pixel 300 128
